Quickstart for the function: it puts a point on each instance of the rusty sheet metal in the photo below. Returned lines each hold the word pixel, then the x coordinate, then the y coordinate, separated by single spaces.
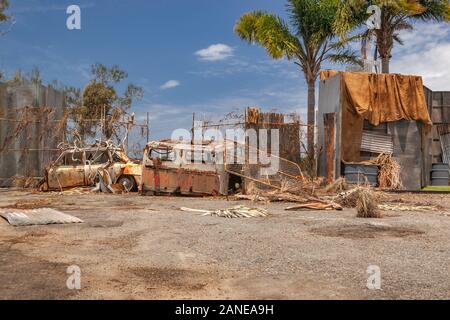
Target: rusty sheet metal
pixel 65 177
pixel 377 143
pixel 17 217
pixel 161 176
pixel 132 169
pixel 179 181
pixel 61 176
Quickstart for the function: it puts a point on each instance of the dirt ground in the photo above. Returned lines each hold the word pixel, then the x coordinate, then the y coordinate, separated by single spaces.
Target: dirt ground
pixel 135 247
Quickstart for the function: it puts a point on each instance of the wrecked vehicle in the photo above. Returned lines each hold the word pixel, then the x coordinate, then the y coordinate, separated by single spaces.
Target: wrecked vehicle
pixel 83 167
pixel 183 169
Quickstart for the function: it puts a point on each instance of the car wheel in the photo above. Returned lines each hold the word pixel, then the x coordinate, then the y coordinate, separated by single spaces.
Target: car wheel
pixel 127 183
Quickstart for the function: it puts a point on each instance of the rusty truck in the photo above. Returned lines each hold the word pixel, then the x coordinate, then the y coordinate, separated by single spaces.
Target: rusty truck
pixel 178 168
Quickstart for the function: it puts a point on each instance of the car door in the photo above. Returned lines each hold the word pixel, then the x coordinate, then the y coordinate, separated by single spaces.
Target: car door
pixel 67 171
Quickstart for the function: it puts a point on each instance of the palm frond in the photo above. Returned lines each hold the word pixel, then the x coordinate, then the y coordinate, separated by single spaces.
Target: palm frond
pixel 437 10
pixel 397 39
pixel 270 32
pixel 345 56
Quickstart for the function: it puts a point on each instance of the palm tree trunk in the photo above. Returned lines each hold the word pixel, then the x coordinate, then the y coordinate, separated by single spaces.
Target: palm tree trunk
pixel 311 118
pixel 385 62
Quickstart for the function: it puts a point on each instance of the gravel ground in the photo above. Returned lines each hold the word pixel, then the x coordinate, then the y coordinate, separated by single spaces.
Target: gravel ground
pixel 134 247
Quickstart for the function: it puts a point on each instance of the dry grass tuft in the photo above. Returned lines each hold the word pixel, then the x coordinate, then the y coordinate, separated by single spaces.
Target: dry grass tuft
pixel 366 204
pixel 363 199
pixel 389 174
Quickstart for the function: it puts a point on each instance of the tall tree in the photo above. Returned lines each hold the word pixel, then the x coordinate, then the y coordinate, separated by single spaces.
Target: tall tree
pixel 100 100
pixel 396 15
pixel 308 42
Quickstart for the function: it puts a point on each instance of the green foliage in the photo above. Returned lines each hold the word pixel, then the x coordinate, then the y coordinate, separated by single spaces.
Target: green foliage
pixel 107 75
pixel 269 31
pixel 99 103
pixel 132 92
pixel 397 15
pixel 311 40
pixel 98 98
pixel 308 41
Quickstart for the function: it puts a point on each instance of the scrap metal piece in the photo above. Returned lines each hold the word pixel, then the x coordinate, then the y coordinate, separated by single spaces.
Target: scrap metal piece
pixel 105 182
pixel 78 166
pixel 235 212
pixel 32 217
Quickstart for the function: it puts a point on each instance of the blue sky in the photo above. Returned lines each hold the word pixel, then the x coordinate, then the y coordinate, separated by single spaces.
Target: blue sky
pixel 184 54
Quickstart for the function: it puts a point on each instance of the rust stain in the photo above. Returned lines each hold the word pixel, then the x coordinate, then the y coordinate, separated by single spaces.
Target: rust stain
pixel 172 177
pixel 77 167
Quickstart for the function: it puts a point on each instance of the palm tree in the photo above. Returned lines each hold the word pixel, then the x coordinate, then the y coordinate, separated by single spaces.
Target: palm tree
pixel 308 42
pixel 396 15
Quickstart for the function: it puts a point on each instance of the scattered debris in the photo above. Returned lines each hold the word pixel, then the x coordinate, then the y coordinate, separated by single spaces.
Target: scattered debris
pixel 316 206
pixel 338 185
pixel 305 201
pixel 235 212
pixel 32 217
pixel 104 183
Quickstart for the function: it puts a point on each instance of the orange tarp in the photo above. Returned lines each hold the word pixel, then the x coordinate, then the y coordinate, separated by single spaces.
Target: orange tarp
pixel 379 98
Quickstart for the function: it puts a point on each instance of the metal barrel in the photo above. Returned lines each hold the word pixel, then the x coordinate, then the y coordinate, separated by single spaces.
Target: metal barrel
pixel 440 174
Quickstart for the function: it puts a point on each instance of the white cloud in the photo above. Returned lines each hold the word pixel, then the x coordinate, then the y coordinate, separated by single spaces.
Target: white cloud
pixel 426 53
pixel 170 84
pixel 215 52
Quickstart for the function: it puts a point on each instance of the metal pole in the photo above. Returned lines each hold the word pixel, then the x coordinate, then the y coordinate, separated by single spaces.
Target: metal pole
pixel 148 124
pixel 193 129
pixel 128 130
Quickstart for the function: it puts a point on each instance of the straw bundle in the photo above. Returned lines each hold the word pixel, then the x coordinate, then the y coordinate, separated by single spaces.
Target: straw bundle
pixel 366 204
pixel 389 174
pixel 363 199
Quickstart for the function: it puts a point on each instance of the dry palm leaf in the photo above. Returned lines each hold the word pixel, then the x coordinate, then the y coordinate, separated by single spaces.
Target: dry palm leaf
pixel 235 212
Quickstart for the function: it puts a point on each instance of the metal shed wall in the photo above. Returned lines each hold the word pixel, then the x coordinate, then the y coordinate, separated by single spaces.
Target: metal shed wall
pixel 28 116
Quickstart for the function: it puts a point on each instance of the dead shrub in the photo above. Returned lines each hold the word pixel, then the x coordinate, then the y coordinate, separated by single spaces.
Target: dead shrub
pixel 366 204
pixel 363 199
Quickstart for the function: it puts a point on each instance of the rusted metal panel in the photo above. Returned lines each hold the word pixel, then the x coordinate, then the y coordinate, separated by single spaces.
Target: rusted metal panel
pixel 178 175
pixel 163 180
pixel 65 177
pixel 377 143
pixel 62 174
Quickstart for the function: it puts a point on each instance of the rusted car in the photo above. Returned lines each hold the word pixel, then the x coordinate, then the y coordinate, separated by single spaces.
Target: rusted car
pixel 78 167
pixel 183 169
